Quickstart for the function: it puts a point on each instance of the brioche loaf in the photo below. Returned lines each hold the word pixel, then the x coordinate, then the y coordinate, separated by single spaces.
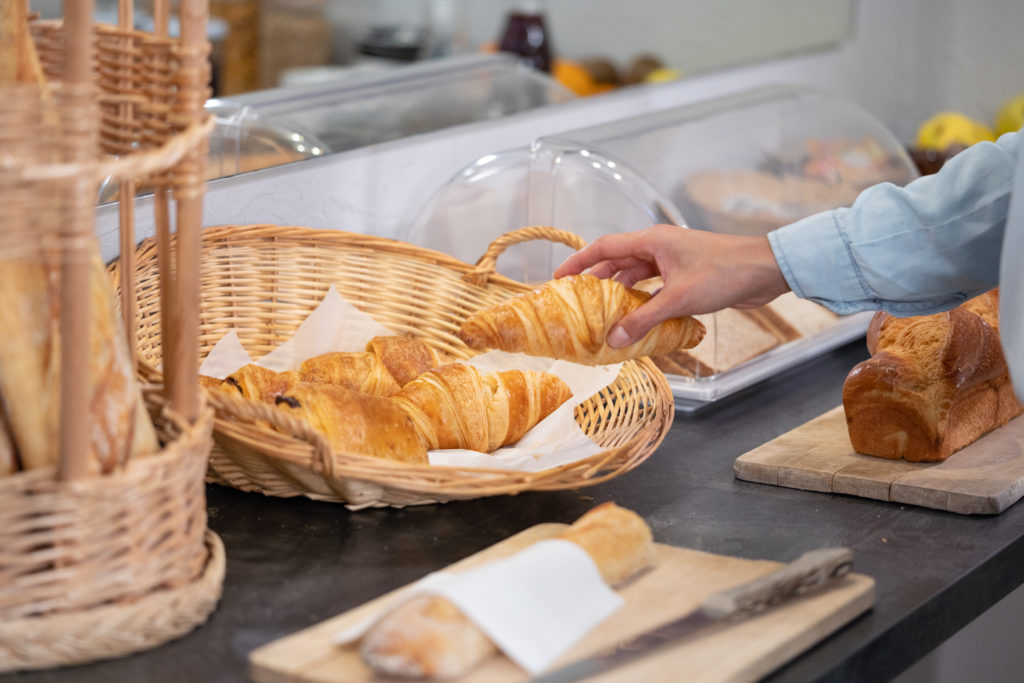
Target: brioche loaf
pixel 429 637
pixel 933 383
pixel 569 318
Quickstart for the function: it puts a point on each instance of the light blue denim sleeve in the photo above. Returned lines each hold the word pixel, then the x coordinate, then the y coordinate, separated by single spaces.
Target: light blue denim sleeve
pixel 910 250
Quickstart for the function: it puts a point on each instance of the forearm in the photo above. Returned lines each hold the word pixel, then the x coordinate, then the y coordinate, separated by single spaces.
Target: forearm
pixel 914 250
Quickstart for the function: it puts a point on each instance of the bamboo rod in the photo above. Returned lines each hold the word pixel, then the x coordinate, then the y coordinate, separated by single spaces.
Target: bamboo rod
pixel 126 204
pixel 75 271
pixel 165 259
pixel 193 70
pixel 161 16
pixel 165 263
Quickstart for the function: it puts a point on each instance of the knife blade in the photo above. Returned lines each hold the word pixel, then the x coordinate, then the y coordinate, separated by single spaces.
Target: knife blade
pixel 812 571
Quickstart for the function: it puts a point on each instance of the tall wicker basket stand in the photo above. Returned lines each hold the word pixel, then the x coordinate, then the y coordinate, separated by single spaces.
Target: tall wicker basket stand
pixel 98 564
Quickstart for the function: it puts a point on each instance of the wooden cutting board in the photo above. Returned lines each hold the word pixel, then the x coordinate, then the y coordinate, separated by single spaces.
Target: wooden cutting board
pixel 680 579
pixel 986 477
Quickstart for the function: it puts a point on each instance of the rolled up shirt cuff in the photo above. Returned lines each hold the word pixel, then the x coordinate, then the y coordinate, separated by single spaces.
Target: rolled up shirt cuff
pixel 816 259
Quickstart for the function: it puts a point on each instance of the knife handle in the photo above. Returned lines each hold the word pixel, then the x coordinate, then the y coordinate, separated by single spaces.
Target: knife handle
pixel 808 572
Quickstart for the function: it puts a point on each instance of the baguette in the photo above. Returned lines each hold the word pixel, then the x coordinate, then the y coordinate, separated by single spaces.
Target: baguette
pixel 933 385
pixel 457 406
pixel 120 428
pixel 570 318
pixel 30 317
pixel 429 637
pixel 8 456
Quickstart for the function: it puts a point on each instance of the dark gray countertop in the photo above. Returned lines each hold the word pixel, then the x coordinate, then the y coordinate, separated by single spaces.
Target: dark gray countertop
pixel 295 562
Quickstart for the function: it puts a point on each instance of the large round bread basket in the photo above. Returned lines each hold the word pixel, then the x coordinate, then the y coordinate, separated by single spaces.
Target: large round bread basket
pixel 264 280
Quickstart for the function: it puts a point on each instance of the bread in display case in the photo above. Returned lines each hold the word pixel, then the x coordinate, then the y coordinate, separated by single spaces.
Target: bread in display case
pixel 747 163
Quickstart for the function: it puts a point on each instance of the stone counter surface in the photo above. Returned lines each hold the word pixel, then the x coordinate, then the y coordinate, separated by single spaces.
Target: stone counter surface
pixel 295 562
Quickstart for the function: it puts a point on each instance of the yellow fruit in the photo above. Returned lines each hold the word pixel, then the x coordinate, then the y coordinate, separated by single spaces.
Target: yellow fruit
pixel 575 77
pixel 951 129
pixel 1011 115
pixel 663 75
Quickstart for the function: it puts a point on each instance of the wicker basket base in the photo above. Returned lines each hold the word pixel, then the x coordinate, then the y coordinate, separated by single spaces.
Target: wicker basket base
pixel 114 630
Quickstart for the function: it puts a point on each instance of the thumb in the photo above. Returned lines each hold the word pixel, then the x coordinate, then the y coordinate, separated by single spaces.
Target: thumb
pixel 632 327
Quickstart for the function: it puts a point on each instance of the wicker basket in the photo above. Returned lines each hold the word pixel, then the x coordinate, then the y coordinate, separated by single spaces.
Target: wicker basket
pixel 97 566
pixel 264 280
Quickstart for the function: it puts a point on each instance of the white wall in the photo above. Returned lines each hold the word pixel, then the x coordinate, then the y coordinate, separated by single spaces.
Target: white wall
pixel 904 61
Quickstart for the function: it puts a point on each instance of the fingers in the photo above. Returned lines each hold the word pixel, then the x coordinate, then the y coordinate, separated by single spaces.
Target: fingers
pixel 633 326
pixel 620 250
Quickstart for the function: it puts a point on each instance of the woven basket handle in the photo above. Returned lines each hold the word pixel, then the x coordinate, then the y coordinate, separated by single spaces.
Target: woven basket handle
pixel 486 264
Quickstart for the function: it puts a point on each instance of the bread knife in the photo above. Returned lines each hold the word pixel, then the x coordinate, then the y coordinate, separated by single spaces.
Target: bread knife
pixel 812 571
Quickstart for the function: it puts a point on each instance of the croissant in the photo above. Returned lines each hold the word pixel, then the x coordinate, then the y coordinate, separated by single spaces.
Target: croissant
pixel 405 358
pixel 257 382
pixel 455 406
pixel 356 423
pixel 388 363
pixel 570 318
pixel 360 371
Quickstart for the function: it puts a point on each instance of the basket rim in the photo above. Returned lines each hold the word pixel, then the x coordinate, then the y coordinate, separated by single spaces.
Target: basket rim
pixel 122 476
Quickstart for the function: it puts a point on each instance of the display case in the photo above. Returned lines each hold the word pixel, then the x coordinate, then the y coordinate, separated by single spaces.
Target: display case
pixel 277 126
pixel 743 164
pixel 377 106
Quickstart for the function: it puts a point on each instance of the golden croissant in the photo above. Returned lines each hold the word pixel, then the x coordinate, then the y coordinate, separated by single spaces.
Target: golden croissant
pixel 360 371
pixel 405 358
pixel 457 406
pixel 255 382
pixel 570 318
pixel 356 423
pixel 388 363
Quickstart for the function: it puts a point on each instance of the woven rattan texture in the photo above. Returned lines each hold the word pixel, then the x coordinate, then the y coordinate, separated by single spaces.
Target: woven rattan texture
pixel 139 88
pixel 100 566
pixel 263 281
pixel 116 629
pixel 72 545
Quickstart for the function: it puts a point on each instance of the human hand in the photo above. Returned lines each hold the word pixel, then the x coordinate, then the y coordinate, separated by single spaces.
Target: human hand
pixel 702 272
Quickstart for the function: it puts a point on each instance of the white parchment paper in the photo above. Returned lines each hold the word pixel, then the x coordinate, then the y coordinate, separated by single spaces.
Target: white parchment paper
pixel 337 325
pixel 534 605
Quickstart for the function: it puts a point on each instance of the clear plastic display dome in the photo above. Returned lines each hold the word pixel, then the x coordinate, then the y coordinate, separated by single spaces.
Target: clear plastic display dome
pixel 387 104
pixel 555 181
pixel 757 160
pixel 743 164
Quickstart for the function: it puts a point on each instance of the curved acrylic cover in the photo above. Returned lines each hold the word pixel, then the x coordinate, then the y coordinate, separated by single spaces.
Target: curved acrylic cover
pixel 747 163
pixel 555 182
pixel 242 141
pixel 754 161
pixel 370 108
